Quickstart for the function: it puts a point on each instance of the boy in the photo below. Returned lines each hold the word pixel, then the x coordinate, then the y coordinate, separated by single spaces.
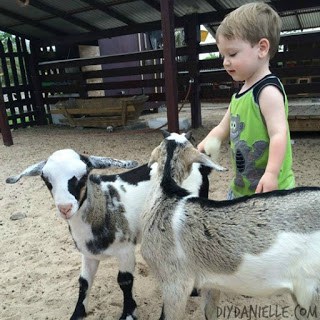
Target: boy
pixel 256 120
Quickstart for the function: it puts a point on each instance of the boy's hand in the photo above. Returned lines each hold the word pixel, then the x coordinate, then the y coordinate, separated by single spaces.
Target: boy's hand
pixel 200 146
pixel 268 182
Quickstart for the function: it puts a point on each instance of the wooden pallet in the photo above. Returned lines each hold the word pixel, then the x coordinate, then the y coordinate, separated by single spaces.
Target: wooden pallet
pixel 101 112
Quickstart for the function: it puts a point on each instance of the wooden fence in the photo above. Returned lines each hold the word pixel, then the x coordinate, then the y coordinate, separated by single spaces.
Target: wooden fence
pixel 65 78
pixel 17 88
pixel 28 83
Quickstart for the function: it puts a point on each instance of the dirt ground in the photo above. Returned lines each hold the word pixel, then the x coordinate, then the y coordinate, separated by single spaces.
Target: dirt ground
pixel 39 265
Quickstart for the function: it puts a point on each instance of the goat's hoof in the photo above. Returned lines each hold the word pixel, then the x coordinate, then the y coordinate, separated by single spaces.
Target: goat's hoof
pixel 128 317
pixel 78 317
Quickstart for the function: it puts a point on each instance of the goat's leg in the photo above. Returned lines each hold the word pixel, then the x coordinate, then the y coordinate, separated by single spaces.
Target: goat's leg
pixel 309 310
pixel 89 268
pixel 211 301
pixel 306 299
pixel 175 298
pixel 125 280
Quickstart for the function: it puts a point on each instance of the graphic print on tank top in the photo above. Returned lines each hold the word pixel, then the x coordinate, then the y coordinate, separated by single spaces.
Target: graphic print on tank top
pixel 245 156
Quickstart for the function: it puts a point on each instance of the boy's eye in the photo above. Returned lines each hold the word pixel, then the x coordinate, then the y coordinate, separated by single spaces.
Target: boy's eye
pixel 232 54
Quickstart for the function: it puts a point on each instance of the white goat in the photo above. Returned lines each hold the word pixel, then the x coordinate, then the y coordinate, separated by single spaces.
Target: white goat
pixel 259 245
pixel 103 213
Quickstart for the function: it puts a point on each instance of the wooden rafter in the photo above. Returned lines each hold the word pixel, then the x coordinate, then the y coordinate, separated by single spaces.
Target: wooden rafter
pixel 31 22
pixel 19 34
pixel 63 15
pixel 108 33
pixel 153 4
pixel 284 5
pixel 299 21
pixel 216 5
pixel 111 12
pixel 156 5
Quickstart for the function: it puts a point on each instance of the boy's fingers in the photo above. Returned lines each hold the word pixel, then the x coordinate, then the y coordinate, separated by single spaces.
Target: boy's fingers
pixel 259 188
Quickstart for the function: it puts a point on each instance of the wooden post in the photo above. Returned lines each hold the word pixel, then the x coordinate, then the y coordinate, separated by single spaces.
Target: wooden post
pixel 192 32
pixel 36 84
pixel 170 65
pixel 4 125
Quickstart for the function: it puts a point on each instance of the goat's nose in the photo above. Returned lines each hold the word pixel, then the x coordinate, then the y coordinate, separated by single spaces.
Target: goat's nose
pixel 65 209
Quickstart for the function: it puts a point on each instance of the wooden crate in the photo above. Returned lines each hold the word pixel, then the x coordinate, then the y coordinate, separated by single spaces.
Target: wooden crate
pixel 101 112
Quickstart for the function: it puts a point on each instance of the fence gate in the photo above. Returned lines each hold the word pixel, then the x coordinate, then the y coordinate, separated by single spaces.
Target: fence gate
pixel 15 79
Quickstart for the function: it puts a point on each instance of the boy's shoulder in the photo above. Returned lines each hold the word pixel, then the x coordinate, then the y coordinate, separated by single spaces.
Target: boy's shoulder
pixel 269 80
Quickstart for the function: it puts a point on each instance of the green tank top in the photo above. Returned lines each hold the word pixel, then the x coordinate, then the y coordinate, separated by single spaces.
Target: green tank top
pixel 249 140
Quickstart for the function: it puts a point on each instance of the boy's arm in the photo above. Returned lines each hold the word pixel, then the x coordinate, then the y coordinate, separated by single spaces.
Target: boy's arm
pixel 221 131
pixel 273 110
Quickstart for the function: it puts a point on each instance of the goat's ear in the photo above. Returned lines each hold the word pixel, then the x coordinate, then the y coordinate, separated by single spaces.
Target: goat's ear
pixel 96 162
pixel 154 156
pixel 33 170
pixel 206 161
pixel 188 135
pixel 165 133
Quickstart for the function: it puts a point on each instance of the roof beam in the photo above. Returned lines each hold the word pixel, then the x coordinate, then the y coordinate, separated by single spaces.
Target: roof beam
pixel 111 12
pixel 216 5
pixel 107 33
pixel 19 34
pixel 282 7
pixel 293 5
pixel 31 22
pixel 117 2
pixel 298 20
pixel 63 15
pixel 154 4
pixel 210 18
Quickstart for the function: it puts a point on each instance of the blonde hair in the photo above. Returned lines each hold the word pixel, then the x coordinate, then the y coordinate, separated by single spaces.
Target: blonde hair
pixel 252 22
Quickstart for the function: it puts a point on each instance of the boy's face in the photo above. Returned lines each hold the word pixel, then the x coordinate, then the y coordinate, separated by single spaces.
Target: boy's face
pixel 240 59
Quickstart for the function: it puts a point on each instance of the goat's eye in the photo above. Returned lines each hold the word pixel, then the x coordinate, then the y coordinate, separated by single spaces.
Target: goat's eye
pixel 75 185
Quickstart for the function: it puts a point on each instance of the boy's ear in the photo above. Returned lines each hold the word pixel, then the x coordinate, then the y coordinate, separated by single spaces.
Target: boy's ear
pixel 264 47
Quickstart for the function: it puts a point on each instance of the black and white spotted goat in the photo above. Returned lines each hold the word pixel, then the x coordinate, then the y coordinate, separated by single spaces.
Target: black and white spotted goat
pixel 103 213
pixel 259 245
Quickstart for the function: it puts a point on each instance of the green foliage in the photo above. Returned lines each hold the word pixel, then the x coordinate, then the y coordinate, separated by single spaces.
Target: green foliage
pixel 4 37
pixel 212 55
pixel 179 38
pixel 26 119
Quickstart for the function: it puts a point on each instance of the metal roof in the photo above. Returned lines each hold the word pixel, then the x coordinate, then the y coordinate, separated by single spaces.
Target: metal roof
pixel 47 19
